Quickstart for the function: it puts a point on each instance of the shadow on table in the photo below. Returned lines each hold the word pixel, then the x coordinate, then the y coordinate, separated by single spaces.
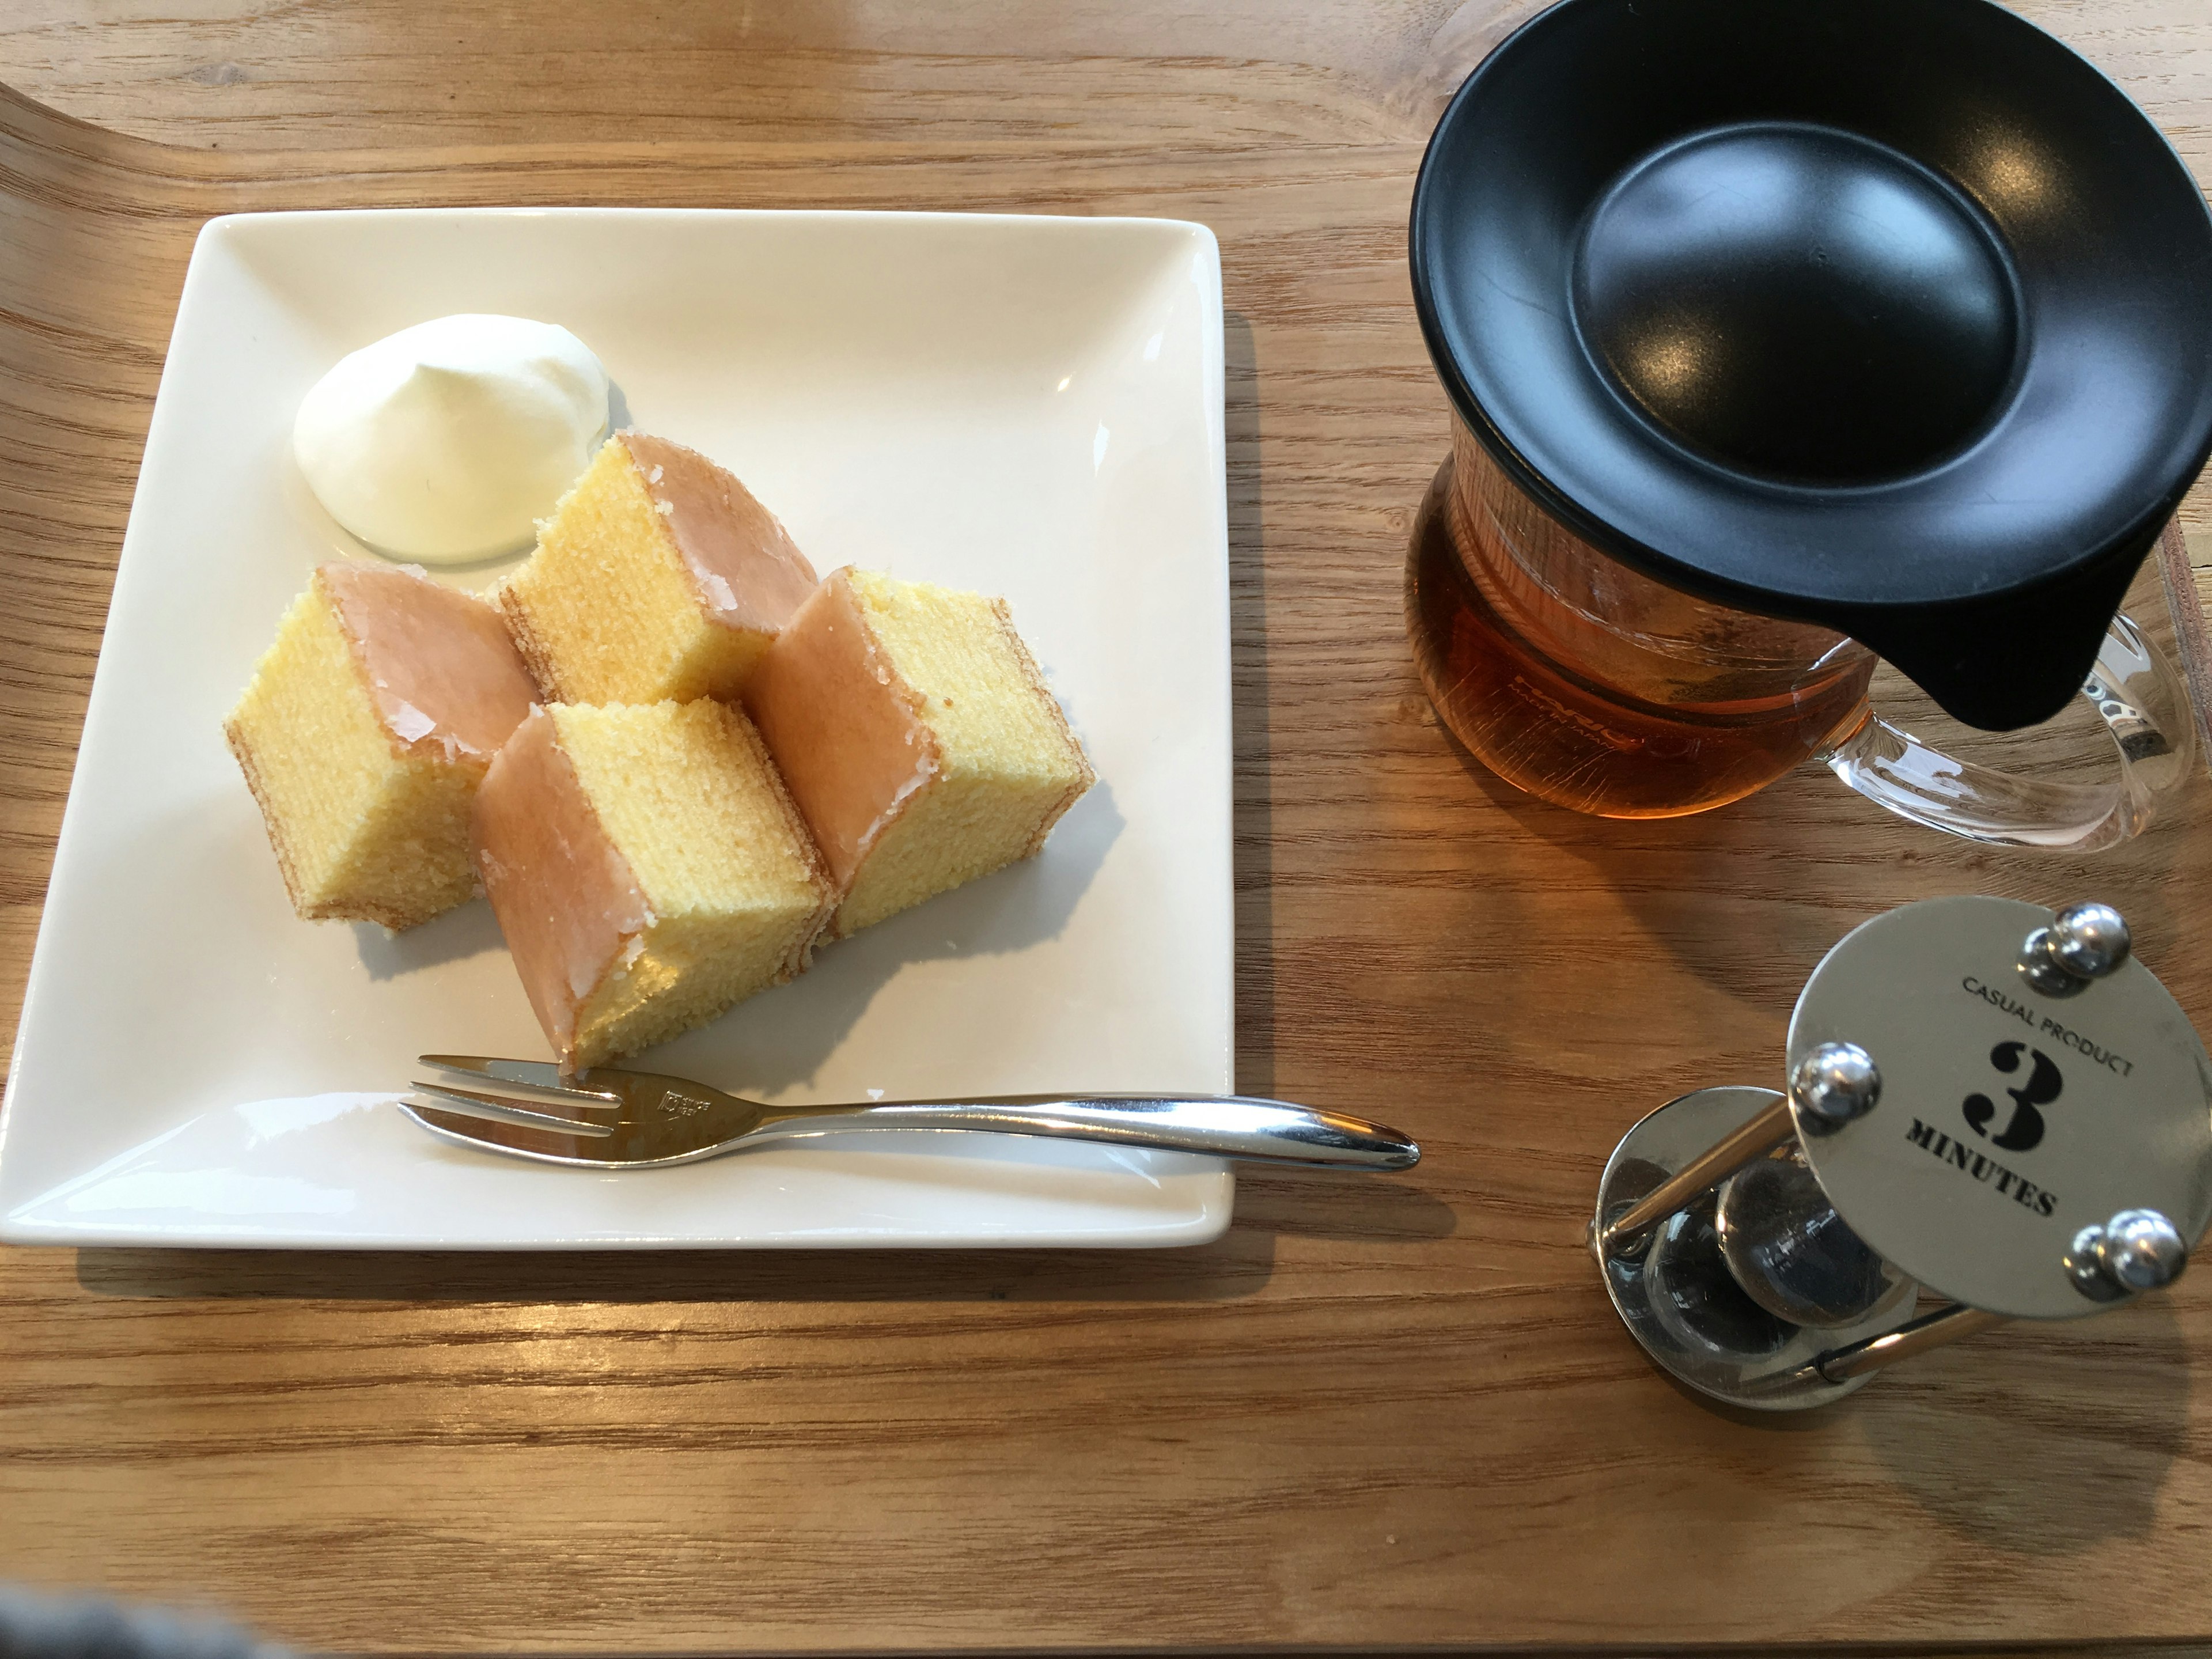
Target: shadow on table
pixel 1372 1209
pixel 1236 1266
pixel 2042 1438
pixel 1693 885
pixel 1239 1264
pixel 2037 1438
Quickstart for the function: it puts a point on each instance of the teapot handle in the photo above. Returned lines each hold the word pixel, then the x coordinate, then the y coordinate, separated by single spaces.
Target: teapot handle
pixel 2144 706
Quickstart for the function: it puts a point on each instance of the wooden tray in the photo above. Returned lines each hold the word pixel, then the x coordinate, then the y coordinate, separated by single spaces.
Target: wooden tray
pixel 1378 1413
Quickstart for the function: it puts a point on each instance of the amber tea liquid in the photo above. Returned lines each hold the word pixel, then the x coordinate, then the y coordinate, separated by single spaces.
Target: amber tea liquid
pixel 1594 687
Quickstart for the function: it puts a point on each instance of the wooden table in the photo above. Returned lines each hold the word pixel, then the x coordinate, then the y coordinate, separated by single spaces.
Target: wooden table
pixel 1378 1413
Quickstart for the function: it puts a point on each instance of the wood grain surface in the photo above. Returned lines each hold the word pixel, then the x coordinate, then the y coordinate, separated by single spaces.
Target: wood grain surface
pixel 1378 1413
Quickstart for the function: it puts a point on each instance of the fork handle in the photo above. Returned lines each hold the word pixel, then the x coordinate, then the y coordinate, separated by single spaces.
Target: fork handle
pixel 1220 1125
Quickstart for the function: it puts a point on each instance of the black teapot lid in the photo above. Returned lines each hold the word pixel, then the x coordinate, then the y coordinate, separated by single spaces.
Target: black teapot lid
pixel 1893 316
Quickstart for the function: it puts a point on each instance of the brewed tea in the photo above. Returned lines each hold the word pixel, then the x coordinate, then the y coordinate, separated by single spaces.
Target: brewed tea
pixel 1595 688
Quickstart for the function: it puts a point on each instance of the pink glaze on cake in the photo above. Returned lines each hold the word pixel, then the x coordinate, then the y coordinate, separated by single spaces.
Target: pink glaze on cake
pixel 567 900
pixel 744 565
pixel 440 668
pixel 842 726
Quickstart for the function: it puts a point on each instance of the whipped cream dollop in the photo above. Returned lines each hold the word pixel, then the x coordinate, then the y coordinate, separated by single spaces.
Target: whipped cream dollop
pixel 447 441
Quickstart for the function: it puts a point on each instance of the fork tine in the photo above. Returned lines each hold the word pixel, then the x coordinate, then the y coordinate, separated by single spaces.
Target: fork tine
pixel 483 1135
pixel 529 1073
pixel 500 1109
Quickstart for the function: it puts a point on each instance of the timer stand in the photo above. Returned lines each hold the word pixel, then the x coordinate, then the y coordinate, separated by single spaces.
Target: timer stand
pixel 1986 1101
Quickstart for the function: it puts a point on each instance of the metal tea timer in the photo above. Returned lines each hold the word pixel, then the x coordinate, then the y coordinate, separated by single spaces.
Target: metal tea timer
pixel 1986 1101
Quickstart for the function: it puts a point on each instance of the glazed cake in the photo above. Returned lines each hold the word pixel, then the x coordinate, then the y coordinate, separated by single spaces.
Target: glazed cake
pixel 916 735
pixel 657 577
pixel 647 870
pixel 364 735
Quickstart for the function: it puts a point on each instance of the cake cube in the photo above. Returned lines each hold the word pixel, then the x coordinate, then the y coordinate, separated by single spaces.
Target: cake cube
pixel 659 577
pixel 647 869
pixel 917 736
pixel 364 735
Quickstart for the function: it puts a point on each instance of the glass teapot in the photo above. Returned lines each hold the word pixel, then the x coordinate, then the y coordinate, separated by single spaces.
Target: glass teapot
pixel 1782 338
pixel 1581 681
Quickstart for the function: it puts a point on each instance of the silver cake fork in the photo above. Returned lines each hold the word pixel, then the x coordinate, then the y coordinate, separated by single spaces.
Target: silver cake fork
pixel 604 1118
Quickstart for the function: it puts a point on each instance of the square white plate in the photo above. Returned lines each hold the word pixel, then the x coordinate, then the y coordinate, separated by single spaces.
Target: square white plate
pixel 1029 407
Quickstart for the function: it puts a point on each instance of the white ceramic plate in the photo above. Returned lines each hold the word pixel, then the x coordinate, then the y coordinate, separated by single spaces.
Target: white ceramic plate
pixel 1025 406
